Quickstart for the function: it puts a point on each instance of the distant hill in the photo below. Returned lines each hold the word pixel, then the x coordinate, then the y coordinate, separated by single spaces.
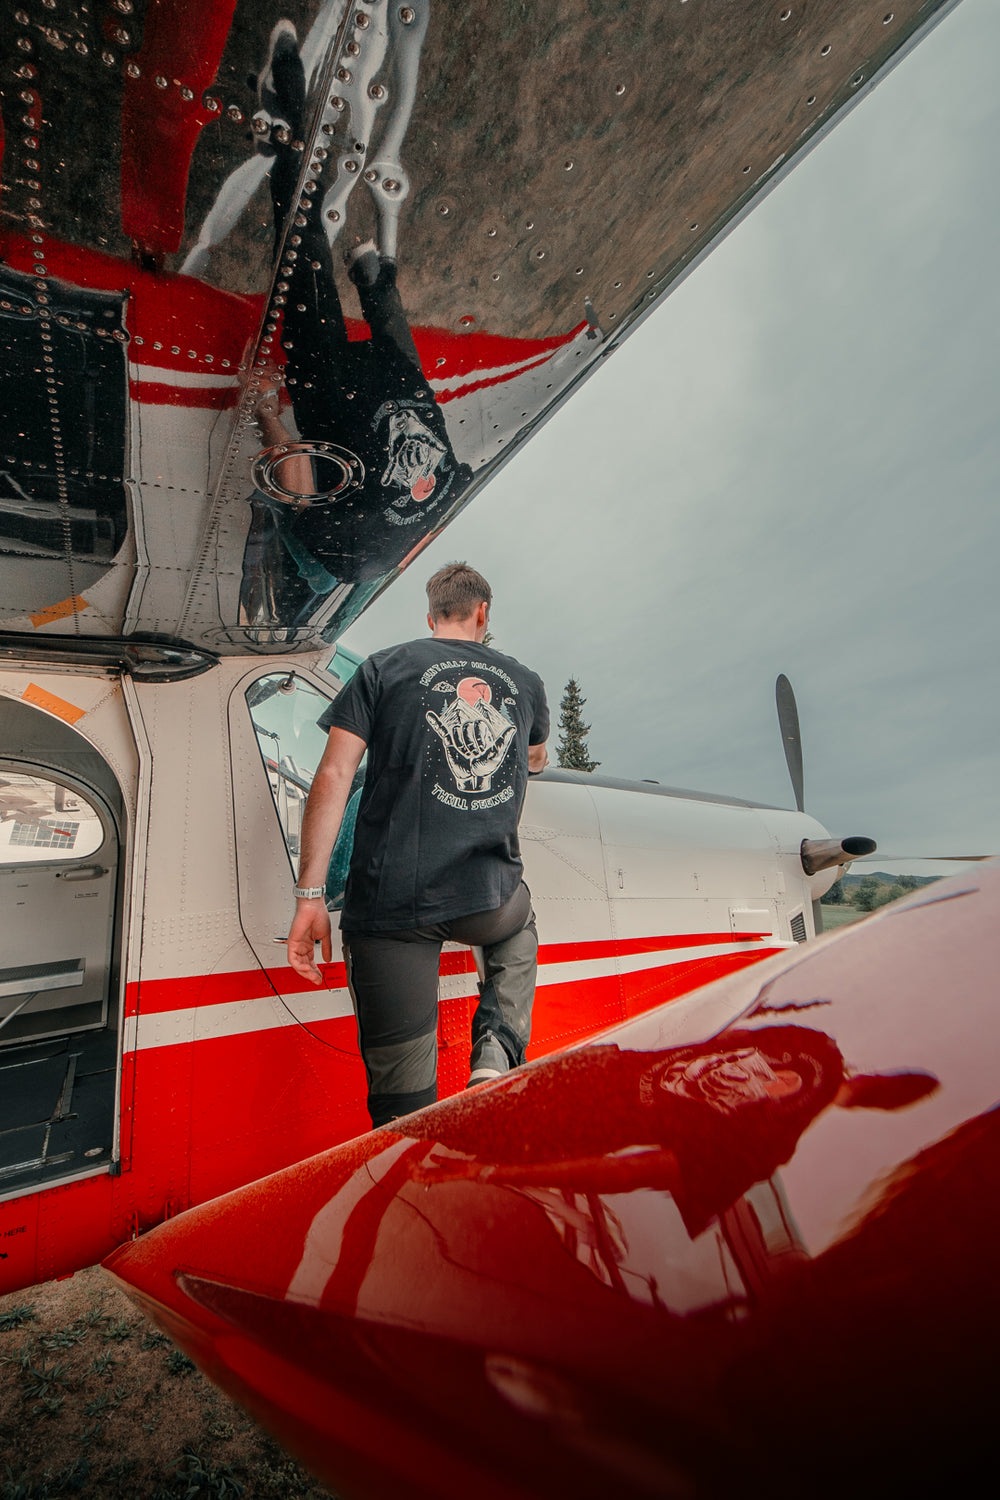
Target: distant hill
pixel 882 888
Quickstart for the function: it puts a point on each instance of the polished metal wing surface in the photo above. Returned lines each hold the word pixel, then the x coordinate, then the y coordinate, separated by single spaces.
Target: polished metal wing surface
pixel 283 284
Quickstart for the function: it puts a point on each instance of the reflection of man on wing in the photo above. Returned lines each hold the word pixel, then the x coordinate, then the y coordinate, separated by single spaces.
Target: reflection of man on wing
pixel 369 399
pixel 703 1123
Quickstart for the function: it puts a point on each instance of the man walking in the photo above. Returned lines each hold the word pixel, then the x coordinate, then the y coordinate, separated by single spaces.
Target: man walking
pixel 452 729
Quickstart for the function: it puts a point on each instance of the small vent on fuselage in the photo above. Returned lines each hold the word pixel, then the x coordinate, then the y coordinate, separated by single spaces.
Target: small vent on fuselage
pixel 799 927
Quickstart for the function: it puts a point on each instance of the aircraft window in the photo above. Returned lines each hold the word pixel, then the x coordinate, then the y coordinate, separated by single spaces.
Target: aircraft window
pixel 42 820
pixel 284 709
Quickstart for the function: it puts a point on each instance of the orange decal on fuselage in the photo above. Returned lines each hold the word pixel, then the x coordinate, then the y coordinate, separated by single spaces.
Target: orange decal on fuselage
pixel 42 698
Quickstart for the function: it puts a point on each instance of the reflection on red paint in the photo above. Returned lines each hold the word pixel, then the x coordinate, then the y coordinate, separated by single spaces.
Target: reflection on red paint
pixel 431 1330
pixel 607 1274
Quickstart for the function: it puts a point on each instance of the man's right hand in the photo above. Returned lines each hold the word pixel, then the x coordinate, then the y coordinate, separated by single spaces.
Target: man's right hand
pixel 310 925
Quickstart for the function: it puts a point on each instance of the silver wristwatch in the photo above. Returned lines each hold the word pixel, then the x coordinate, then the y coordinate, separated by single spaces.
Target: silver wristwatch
pixel 308 892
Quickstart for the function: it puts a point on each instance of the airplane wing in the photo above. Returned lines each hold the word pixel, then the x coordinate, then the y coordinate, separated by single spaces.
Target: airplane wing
pixel 282 289
pixel 742 1244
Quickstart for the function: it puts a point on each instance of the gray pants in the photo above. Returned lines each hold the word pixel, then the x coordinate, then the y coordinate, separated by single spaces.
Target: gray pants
pixel 393 979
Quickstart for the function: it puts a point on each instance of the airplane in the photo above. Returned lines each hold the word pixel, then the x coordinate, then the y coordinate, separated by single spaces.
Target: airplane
pixel 743 1243
pixel 210 469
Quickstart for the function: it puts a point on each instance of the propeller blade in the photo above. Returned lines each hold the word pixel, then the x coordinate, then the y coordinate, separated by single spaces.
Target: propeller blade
pixel 788 723
pixel 895 859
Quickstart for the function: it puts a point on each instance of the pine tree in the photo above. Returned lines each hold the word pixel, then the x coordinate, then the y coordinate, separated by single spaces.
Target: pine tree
pixel 572 751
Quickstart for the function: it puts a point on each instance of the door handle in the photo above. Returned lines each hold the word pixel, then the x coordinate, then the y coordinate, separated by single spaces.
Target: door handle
pixel 82 872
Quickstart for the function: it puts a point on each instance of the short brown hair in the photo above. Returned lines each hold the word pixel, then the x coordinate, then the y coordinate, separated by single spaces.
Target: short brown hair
pixel 456 591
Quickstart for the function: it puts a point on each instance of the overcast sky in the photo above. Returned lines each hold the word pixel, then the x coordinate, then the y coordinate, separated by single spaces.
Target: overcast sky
pixel 792 466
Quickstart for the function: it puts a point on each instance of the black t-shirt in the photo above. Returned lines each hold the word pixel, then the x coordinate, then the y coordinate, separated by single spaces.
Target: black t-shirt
pixel 447 724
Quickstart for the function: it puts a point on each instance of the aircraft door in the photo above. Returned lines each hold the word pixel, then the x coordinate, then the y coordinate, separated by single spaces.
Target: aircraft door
pixel 58 865
pixel 59 889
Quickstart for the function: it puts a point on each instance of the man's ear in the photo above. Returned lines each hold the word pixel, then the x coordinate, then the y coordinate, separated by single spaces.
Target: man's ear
pixel 430 622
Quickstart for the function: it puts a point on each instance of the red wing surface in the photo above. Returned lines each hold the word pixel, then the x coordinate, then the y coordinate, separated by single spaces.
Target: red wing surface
pixel 744 1244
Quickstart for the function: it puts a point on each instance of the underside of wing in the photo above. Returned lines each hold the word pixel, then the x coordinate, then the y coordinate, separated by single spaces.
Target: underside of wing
pixel 282 288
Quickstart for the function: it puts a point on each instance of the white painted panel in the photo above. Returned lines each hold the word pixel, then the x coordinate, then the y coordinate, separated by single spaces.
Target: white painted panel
pixel 564 863
pixel 647 820
pixel 191 918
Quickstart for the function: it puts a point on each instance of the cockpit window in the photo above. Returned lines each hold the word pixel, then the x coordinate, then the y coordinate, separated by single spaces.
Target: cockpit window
pixel 284 708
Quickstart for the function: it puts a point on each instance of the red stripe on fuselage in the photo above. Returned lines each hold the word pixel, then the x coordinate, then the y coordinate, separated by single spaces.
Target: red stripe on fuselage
pixel 152 997
pixel 559 953
pixel 156 996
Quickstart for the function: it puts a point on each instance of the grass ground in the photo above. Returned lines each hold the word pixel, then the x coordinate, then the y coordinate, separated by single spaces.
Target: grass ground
pixel 96 1402
pixel 840 916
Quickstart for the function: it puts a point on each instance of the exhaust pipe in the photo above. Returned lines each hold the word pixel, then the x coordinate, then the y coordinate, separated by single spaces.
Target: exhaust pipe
pixel 821 854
